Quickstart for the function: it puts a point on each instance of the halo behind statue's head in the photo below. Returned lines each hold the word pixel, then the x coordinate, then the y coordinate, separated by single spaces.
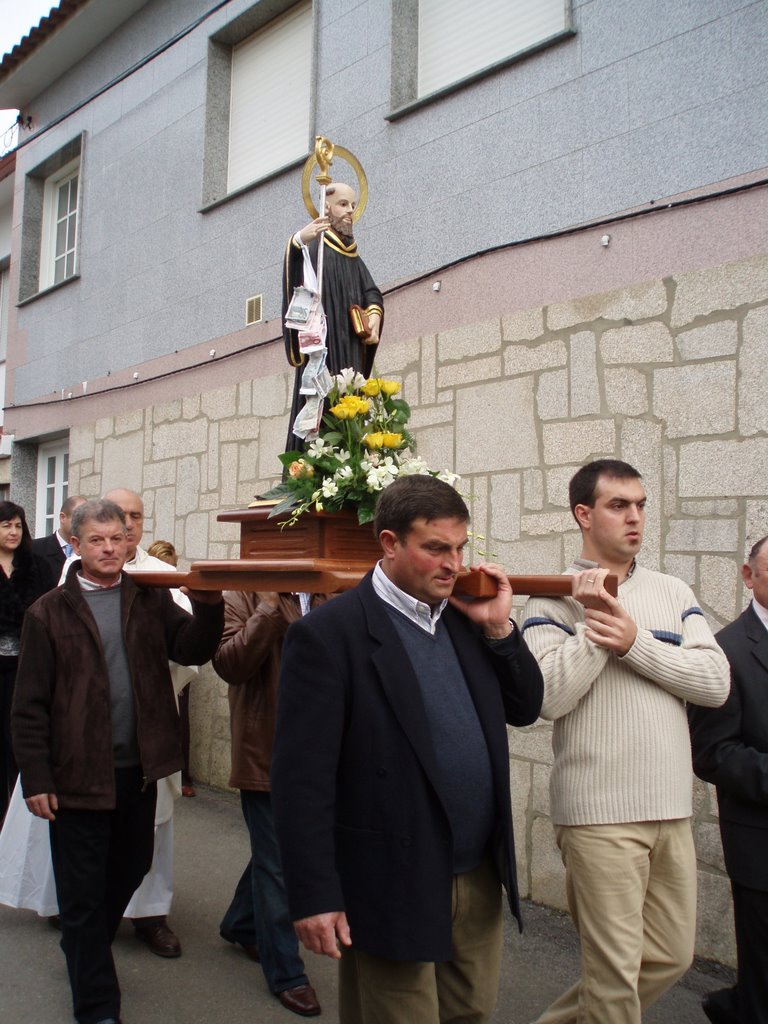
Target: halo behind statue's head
pixel 354 163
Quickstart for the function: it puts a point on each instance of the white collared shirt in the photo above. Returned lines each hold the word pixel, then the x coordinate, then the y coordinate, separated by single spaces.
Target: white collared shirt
pixel 418 612
pixel 760 612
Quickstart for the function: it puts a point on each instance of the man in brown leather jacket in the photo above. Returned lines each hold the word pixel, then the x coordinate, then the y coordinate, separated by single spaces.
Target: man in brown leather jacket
pixel 248 659
pixel 95 725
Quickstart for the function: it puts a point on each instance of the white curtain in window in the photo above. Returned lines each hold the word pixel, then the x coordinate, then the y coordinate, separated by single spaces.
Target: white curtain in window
pixel 459 37
pixel 270 103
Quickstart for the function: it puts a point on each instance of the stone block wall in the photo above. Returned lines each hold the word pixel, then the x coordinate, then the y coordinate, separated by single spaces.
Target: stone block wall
pixel 666 374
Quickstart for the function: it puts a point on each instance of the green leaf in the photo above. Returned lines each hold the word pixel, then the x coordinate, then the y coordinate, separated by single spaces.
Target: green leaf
pixel 284 506
pixel 278 491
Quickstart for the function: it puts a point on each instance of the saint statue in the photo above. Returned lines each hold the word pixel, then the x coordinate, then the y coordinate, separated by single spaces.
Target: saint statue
pixel 332 338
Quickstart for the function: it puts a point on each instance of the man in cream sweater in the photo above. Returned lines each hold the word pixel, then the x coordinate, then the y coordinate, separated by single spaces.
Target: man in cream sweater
pixel 617 676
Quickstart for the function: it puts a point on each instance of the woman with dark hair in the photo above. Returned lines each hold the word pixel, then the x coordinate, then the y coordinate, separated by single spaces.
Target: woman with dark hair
pixel 24 576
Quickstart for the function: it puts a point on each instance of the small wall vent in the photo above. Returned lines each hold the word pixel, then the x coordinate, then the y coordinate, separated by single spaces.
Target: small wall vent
pixel 253 310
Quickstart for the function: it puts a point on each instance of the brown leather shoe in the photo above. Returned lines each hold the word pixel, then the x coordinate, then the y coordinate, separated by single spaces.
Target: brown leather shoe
pixel 301 1000
pixel 249 948
pixel 158 936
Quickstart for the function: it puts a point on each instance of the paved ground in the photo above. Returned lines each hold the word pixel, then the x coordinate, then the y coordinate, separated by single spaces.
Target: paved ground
pixel 214 982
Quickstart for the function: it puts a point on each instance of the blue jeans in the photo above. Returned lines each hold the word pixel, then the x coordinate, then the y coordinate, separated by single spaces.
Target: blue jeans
pixel 258 914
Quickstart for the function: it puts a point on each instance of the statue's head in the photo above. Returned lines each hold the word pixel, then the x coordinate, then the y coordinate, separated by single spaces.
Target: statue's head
pixel 340 203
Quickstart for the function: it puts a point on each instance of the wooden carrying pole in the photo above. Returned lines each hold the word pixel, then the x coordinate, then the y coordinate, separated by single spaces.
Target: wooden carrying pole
pixel 327 576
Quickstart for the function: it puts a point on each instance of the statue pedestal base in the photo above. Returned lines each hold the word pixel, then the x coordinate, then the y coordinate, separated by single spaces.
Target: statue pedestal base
pixel 337 536
pixel 322 554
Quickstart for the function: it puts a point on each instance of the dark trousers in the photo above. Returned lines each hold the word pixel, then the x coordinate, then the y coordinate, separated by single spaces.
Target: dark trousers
pixel 186 776
pixel 747 1002
pixel 258 914
pixel 99 859
pixel 8 769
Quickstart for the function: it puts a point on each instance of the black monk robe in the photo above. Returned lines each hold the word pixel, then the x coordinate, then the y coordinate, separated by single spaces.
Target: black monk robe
pixel 346 282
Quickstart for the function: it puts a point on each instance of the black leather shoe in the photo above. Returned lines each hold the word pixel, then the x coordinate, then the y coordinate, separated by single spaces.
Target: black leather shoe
pixel 248 948
pixel 721 1006
pixel 301 1000
pixel 158 936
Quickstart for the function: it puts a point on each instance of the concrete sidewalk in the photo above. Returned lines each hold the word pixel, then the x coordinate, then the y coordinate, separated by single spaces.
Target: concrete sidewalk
pixel 214 982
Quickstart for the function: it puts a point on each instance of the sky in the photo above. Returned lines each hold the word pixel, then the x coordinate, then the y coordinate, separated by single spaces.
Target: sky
pixel 17 17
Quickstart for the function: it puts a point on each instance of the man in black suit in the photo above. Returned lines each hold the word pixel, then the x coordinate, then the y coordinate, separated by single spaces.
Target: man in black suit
pixel 390 772
pixel 730 749
pixel 57 546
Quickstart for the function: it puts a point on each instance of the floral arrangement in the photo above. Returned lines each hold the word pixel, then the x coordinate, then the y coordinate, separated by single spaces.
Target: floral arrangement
pixel 362 447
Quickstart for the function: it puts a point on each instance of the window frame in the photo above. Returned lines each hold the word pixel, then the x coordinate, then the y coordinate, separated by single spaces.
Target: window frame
pixel 49 233
pixel 404 76
pixel 218 99
pixel 58 489
pixel 33 253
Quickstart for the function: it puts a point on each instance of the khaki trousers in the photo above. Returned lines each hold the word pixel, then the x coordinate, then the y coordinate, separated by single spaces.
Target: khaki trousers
pixel 463 990
pixel 632 895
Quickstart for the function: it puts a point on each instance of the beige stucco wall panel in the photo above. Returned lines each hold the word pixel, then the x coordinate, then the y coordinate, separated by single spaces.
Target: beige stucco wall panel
pixel 505 507
pixel 626 391
pixel 484 438
pixel 584 381
pixel 696 399
pixel 723 467
pixel 641 343
pixel 524 326
pixel 637 302
pixel 715 938
pixel 170 439
pixel 533 489
pixel 718 586
pixel 577 441
pixel 552 395
pixel 469 342
pixel 710 341
pixel 548 878
pixel 520 359
pixel 753 372
pixel 469 371
pixel 122 462
pixel 720 288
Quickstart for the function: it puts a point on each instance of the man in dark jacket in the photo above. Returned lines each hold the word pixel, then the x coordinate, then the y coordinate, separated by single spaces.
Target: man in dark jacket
pixel 248 659
pixel 730 749
pixel 95 725
pixel 390 774
pixel 56 547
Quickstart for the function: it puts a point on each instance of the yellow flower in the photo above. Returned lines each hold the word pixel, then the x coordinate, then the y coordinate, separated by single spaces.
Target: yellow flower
pixel 300 468
pixel 389 387
pixel 371 387
pixel 350 406
pixel 391 440
pixel 373 440
pixel 341 412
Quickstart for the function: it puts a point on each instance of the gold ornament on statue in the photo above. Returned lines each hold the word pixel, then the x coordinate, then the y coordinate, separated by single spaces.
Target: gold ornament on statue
pixel 322 157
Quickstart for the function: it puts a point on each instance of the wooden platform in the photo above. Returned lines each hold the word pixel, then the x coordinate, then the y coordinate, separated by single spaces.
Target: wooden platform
pixel 320 554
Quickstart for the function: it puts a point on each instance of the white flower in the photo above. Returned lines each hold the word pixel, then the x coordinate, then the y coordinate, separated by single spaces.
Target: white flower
pixel 343 473
pixel 381 476
pixel 448 477
pixel 330 488
pixel 348 380
pixel 342 455
pixel 319 447
pixel 411 467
